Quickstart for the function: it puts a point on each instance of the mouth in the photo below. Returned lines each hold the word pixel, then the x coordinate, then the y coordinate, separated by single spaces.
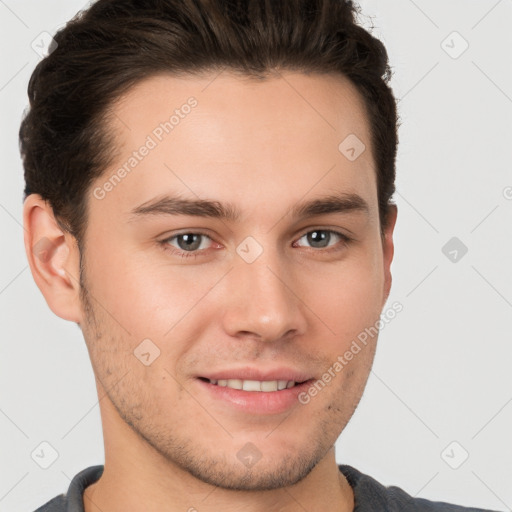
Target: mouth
pixel 255 391
pixel 265 386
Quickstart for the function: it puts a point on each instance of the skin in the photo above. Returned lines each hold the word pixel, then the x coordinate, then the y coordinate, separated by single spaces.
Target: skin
pixel 264 148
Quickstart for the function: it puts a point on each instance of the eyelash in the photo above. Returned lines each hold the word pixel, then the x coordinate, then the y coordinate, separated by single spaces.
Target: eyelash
pixel 345 241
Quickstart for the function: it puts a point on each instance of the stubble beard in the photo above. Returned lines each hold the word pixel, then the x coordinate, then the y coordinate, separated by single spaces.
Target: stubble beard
pixel 222 469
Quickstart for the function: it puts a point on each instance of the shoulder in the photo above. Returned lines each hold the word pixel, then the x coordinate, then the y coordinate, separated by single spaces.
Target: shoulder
pixel 58 504
pixel 72 501
pixel 369 495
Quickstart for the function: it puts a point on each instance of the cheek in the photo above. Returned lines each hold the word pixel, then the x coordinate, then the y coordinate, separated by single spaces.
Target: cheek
pixel 147 296
pixel 346 300
pixel 150 298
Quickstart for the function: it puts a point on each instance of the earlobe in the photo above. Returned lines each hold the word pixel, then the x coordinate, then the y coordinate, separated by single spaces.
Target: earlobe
pixel 388 250
pixel 53 257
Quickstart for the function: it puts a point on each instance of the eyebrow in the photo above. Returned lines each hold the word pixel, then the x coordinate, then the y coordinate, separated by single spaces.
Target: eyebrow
pixel 170 205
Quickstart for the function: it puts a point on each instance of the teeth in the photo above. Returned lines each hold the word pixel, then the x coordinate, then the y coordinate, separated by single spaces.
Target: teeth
pixel 235 383
pixel 252 385
pixel 255 385
pixel 269 385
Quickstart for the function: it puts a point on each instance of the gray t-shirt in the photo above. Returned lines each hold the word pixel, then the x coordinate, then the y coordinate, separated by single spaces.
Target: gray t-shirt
pixel 370 495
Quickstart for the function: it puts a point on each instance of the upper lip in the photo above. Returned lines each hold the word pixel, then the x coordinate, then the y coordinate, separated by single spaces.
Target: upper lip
pixel 260 374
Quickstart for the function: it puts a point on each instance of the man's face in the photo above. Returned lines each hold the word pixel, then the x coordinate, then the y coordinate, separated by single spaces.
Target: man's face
pixel 270 294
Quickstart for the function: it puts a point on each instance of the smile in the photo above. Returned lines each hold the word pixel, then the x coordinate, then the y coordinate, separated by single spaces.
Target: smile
pixel 254 385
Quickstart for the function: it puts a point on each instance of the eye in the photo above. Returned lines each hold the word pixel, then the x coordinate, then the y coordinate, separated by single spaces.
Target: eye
pixel 324 238
pixel 193 244
pixel 187 243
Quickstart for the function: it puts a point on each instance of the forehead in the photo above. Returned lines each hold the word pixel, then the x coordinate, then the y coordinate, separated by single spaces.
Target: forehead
pixel 229 137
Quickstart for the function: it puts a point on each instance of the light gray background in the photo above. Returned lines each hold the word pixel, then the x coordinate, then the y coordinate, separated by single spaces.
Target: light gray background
pixel 442 369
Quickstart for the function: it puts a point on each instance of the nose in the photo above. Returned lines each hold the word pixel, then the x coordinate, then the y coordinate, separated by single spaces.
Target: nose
pixel 263 302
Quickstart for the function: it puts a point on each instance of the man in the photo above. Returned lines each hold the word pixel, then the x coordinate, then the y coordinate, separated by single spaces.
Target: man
pixel 208 196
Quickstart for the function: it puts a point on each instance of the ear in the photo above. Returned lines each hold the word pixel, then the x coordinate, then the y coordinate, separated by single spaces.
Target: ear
pixel 53 257
pixel 388 250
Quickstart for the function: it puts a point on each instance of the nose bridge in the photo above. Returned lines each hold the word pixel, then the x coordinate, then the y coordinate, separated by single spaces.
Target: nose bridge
pixel 263 302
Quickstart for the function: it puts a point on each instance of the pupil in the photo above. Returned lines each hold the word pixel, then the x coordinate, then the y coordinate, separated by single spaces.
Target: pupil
pixel 321 238
pixel 189 242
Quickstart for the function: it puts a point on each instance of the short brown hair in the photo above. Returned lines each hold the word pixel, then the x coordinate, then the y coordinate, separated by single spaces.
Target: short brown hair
pixel 108 48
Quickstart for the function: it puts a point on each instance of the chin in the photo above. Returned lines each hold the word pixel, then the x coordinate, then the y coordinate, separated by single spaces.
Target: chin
pixel 263 476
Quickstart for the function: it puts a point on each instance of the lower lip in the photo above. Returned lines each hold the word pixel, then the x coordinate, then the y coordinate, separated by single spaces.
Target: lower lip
pixel 257 402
